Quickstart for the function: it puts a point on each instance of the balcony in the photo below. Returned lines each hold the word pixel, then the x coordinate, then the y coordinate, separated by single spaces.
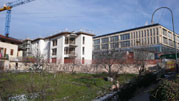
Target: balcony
pixel 72 35
pixel 72 44
pixel 70 54
pixel 16 59
pixel 5 57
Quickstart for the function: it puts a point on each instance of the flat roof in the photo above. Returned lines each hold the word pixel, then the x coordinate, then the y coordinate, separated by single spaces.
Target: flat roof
pixel 151 25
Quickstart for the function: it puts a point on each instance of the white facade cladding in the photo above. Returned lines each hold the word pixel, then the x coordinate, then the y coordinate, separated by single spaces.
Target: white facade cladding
pixel 65 47
pixel 84 48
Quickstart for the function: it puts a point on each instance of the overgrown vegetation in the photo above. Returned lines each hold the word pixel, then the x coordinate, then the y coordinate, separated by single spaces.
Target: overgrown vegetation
pixel 129 89
pixel 57 86
pixel 167 90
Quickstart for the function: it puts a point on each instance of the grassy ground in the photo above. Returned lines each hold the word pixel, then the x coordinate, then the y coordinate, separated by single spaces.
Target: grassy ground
pixel 59 86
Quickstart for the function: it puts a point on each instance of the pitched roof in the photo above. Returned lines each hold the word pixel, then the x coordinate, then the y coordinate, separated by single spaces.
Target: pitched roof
pixel 58 34
pixel 85 33
pixel 9 39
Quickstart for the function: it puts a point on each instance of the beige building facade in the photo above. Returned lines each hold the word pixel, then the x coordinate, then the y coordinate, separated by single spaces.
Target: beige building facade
pixel 154 36
pixel 9 52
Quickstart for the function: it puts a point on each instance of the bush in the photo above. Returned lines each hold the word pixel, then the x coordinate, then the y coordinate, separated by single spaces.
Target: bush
pixel 166 91
pixel 129 89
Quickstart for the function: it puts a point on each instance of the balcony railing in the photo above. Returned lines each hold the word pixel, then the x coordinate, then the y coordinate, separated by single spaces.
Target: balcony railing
pixel 72 36
pixel 70 53
pixel 5 57
pixel 15 59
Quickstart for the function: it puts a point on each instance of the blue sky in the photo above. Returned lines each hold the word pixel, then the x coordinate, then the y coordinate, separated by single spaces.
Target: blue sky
pixel 42 18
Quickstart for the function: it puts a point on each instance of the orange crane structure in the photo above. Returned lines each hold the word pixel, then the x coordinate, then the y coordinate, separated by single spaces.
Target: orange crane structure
pixel 7 7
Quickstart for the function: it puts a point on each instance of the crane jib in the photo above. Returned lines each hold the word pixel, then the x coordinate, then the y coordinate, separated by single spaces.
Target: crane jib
pixel 18 2
pixel 8 7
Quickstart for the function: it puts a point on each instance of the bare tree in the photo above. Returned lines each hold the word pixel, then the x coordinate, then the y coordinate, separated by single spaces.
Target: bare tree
pixel 73 64
pixel 141 57
pixel 108 58
pixel 37 58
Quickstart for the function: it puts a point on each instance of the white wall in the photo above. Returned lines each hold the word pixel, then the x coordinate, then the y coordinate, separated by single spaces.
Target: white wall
pixel 43 45
pixel 60 48
pixel 8 47
pixel 88 48
pixel 78 49
pixel 46 46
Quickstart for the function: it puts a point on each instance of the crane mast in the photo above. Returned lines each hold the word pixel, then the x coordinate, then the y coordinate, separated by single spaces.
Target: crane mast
pixel 8 7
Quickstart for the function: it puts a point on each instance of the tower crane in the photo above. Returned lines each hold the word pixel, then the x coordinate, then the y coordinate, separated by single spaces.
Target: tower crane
pixel 7 7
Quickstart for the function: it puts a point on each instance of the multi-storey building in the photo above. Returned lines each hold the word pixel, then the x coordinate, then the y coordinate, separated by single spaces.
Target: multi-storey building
pixel 10 53
pixel 154 37
pixel 26 44
pixel 65 47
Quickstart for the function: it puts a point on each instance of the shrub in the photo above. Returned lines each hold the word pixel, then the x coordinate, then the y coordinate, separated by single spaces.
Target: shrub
pixel 129 89
pixel 166 91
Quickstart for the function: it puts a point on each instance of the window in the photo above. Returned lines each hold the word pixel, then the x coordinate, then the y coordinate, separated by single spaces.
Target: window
pixel 105 40
pixel 164 32
pixel 169 34
pixel 157 30
pixel 97 47
pixel 147 32
pixel 171 43
pixel 137 42
pixel 125 36
pixel 178 39
pixel 157 39
pixel 154 40
pixel 54 51
pixel 134 42
pixel 97 41
pixel 142 34
pixel 83 40
pixel 125 44
pixel 114 45
pixel 136 35
pixel 66 50
pixel 131 35
pixel 154 31
pixel 150 32
pixel 165 40
pixel 114 38
pixel 83 60
pixel 66 40
pixel 12 51
pixel 131 42
pixel 55 42
pixel 150 40
pixel 83 50
pixel 105 46
pixel 139 34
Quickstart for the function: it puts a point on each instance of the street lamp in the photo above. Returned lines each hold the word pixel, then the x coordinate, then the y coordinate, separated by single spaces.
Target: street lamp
pixel 173 32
